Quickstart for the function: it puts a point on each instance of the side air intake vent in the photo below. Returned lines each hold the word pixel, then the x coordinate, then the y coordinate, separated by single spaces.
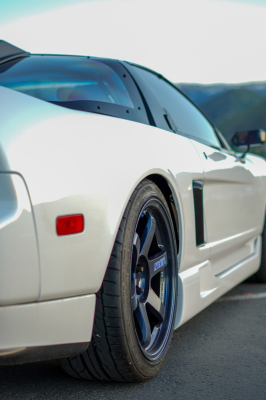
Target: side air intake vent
pixel 198 205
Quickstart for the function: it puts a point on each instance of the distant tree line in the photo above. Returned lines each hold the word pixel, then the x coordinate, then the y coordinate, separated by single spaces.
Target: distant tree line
pixel 232 108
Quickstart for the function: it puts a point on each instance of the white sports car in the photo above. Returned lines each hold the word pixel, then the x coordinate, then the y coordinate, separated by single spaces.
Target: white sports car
pixel 123 213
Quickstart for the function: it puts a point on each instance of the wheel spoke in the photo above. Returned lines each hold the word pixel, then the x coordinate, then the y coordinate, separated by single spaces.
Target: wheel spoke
pixel 136 244
pixel 134 301
pixel 158 263
pixel 144 324
pixel 135 256
pixel 155 305
pixel 153 336
pixel 147 235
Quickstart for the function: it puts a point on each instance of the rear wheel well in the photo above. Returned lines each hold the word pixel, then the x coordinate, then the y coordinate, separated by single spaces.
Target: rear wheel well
pixel 166 191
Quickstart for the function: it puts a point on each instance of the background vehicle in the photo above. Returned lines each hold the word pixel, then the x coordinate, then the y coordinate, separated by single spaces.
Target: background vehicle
pixel 104 220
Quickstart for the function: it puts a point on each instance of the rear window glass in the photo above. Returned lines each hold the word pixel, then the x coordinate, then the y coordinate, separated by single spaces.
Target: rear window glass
pixel 62 79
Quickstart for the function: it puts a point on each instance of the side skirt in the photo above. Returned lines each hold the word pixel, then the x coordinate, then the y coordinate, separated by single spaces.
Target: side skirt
pixel 198 287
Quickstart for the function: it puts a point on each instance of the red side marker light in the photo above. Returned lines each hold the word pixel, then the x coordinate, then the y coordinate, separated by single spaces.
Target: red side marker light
pixel 69 224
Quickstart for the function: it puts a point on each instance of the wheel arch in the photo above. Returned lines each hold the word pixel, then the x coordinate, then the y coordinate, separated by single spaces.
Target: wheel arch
pixel 163 185
pixel 175 211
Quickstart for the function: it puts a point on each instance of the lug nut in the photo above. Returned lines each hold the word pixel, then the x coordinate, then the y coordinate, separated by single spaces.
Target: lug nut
pixel 139 290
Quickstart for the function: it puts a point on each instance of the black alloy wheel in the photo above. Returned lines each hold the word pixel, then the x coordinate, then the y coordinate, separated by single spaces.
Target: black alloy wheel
pixel 152 291
pixel 136 305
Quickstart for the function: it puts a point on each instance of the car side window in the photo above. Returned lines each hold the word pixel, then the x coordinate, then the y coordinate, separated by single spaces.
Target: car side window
pixel 186 117
pixel 79 83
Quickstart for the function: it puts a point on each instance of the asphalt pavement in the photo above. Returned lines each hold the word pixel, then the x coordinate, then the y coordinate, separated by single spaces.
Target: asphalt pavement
pixel 219 354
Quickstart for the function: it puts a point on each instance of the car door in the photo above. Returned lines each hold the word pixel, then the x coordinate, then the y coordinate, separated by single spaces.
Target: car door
pixel 233 199
pixel 230 188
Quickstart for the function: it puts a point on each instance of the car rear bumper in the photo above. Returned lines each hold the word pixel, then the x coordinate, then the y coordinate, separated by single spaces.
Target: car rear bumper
pixel 46 330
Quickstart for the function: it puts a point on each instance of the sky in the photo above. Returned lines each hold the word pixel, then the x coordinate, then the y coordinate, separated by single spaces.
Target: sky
pixel 200 41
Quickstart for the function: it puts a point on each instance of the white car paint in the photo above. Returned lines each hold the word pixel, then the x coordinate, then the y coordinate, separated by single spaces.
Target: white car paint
pixel 234 204
pixel 19 258
pixel 46 323
pixel 74 162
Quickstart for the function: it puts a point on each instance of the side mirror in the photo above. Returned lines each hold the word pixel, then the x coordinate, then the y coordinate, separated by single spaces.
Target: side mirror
pixel 249 138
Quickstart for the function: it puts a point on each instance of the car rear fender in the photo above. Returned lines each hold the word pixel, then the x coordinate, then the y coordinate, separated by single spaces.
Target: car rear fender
pixel 90 164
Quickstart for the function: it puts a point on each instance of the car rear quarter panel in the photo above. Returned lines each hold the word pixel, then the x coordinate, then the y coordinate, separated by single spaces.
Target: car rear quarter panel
pixel 19 261
pixel 75 162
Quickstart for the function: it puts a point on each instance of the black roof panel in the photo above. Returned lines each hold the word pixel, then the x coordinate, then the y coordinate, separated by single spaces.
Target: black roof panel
pixel 8 51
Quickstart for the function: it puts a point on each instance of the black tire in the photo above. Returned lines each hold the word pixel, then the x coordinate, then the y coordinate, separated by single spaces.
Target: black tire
pixel 260 276
pixel 136 304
